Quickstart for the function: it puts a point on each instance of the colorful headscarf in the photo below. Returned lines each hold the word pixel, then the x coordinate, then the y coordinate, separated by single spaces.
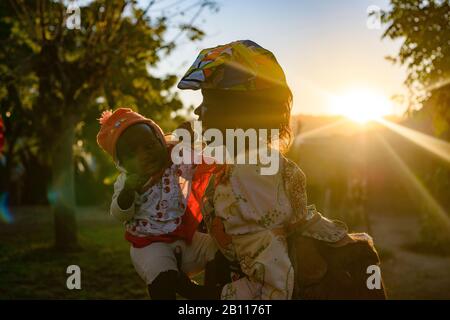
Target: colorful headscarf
pixel 239 65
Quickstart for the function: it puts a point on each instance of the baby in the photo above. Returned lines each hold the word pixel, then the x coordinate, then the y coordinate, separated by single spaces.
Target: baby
pixel 155 200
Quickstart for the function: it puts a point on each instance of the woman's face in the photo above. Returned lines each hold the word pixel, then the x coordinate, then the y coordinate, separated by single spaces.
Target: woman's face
pixel 201 110
pixel 210 112
pixel 140 151
pixel 252 109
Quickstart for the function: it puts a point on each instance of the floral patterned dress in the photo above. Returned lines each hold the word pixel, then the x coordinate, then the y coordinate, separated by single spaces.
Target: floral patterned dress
pixel 246 213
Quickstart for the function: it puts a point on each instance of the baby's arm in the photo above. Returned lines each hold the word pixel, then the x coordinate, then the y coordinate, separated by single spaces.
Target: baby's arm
pixel 122 205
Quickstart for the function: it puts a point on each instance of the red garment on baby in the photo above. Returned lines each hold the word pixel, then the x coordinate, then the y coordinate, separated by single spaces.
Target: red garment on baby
pixel 192 216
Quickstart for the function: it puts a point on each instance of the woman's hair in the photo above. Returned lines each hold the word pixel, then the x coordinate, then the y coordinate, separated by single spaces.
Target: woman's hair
pixel 257 109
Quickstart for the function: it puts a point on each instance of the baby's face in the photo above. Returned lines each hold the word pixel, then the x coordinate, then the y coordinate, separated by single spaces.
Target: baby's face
pixel 140 151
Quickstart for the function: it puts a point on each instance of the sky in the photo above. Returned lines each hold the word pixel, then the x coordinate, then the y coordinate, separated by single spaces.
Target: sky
pixel 325 47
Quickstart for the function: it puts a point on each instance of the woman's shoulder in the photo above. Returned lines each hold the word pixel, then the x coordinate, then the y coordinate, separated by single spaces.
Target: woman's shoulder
pixel 291 172
pixel 287 170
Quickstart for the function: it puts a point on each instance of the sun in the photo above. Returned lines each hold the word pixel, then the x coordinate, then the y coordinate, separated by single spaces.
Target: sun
pixel 361 105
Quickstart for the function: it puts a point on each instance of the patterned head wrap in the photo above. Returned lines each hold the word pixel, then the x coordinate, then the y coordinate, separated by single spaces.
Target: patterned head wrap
pixel 239 65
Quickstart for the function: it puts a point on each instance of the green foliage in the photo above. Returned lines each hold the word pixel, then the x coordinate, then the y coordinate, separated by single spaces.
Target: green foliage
pixel 53 77
pixel 423 27
pixel 434 235
pixel 56 79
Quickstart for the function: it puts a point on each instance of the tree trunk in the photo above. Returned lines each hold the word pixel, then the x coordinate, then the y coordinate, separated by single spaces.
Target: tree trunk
pixel 62 192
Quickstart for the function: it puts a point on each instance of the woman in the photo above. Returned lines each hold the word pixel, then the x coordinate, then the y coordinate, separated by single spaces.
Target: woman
pixel 247 213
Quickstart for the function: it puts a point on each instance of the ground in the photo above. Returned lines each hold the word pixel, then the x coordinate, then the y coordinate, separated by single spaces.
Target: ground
pixel 30 269
pixel 408 274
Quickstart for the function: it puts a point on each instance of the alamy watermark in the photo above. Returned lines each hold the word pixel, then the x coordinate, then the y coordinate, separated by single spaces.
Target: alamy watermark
pixel 239 146
pixel 74 279
pixel 73 11
pixel 374 280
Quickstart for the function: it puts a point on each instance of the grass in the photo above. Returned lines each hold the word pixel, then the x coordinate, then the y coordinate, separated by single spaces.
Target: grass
pixel 31 269
pixel 427 248
pixel 385 254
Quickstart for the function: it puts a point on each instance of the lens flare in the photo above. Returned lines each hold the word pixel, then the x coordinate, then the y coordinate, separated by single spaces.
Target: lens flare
pixel 318 132
pixel 414 184
pixel 53 196
pixel 361 105
pixel 5 214
pixel 436 146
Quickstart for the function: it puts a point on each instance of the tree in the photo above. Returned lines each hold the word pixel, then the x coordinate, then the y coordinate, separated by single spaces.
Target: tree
pixel 423 26
pixel 424 29
pixel 18 89
pixel 58 72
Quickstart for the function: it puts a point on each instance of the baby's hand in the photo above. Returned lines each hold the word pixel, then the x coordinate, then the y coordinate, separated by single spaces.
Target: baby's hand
pixel 126 197
pixel 134 181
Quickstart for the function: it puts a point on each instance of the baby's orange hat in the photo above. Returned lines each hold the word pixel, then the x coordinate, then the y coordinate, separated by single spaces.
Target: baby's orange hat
pixel 114 123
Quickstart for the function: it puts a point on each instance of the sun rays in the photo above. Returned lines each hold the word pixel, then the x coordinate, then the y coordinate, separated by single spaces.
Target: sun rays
pixel 318 132
pixel 361 105
pixel 424 197
pixel 436 146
